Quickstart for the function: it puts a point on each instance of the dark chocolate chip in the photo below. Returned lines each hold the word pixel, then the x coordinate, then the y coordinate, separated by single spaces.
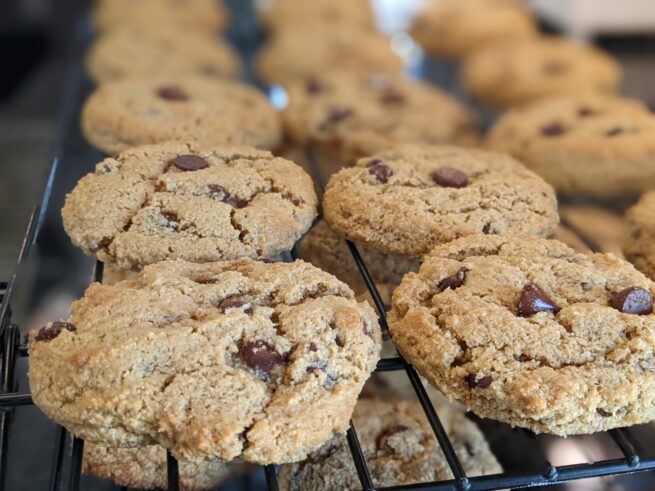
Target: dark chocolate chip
pixel 586 111
pixel 454 281
pixel 381 171
pixel 314 87
pixel 189 162
pixel 633 300
pixel 260 355
pixel 339 341
pixel 533 299
pixel 482 383
pixel 603 413
pixel 553 129
pixel 52 330
pixel 450 178
pixel 615 131
pixel 172 93
pixel 335 115
pixel 392 97
pixel 228 199
pixel 313 347
pixel 275 318
pixel 105 242
pixel 234 302
pixel 523 358
pixel 171 217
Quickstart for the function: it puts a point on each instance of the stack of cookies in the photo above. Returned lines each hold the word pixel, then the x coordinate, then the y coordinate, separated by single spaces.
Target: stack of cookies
pixel 205 341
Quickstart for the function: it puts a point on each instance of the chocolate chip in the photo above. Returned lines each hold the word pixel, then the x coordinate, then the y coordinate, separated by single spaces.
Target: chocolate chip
pixel 171 217
pixel 533 299
pixel 205 280
pixel 382 172
pixel 636 233
pixel 339 341
pixel 482 383
pixel 553 129
pixel 105 242
pixel 313 347
pixel 260 355
pixel 615 131
pixel 523 358
pixel 234 302
pixel 392 97
pixel 264 260
pixel 275 318
pixel 314 87
pixel 189 162
pixel 335 115
pixel 235 201
pixel 585 112
pixel 52 330
pixel 469 448
pixel 603 413
pixel 454 281
pixel 172 93
pixel 450 178
pixel 633 300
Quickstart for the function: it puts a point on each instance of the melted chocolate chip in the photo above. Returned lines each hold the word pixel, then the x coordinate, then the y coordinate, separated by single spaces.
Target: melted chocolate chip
pixel 633 300
pixel 235 201
pixel 335 115
pixel 382 172
pixel 172 93
pixel 260 355
pixel 454 281
pixel 553 129
pixel 314 87
pixel 340 342
pixel 313 347
pixel 603 413
pixel 234 303
pixel 392 97
pixel 105 242
pixel 275 318
pixel 52 330
pixel 482 383
pixel 450 178
pixel 533 299
pixel 171 217
pixel 189 162
pixel 615 131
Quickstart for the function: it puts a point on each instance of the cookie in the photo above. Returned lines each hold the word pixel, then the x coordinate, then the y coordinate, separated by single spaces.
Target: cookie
pixel 528 332
pixel 638 239
pixel 278 15
pixel 312 51
pixel 406 200
pixel 237 359
pixel 456 28
pixel 138 111
pixel 523 70
pixel 357 115
pixel 145 468
pixel 187 16
pixel 189 201
pixel 133 52
pixel 322 247
pixel 399 447
pixel 588 143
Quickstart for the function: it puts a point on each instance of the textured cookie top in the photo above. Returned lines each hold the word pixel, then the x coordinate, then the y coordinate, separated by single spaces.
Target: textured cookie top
pixel 361 114
pixel 192 15
pixel 125 113
pixel 312 51
pixel 399 446
pixel 133 52
pixel 226 359
pixel 521 70
pixel 189 201
pixel 408 199
pixel 455 28
pixel 639 235
pixel 528 332
pixel 284 14
pixel 589 143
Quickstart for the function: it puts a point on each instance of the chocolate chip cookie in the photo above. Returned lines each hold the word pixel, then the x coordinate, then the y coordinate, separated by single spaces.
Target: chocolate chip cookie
pixel 189 201
pixel 312 51
pixel 138 111
pixel 133 52
pixel 356 115
pixel 399 447
pixel 528 332
pixel 279 15
pixel 639 236
pixel 456 28
pixel 408 199
pixel 523 70
pixel 237 359
pixel 585 144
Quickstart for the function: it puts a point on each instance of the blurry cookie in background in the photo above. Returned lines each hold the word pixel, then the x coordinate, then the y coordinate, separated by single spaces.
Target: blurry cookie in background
pixel 639 238
pixel 590 143
pixel 517 71
pixel 129 52
pixel 192 15
pixel 312 51
pixel 455 28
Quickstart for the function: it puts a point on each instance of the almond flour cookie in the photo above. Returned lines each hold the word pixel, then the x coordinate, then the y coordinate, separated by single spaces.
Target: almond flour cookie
pixel 133 52
pixel 186 16
pixel 456 28
pixel 189 201
pixel 356 115
pixel 406 200
pixel 528 332
pixel 145 468
pixel 311 51
pixel 236 359
pixel 523 70
pixel 137 111
pixel 585 144
pixel 639 237
pixel 399 446
pixel 278 15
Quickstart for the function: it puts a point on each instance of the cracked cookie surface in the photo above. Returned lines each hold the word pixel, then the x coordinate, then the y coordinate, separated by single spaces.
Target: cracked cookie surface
pixel 399 446
pixel 143 110
pixel 357 115
pixel 639 235
pixel 133 52
pixel 235 359
pixel 189 201
pixel 527 332
pixel 408 199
